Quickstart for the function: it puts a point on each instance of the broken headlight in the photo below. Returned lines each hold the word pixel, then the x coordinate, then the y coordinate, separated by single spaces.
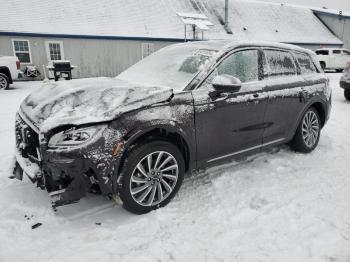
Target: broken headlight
pixel 75 136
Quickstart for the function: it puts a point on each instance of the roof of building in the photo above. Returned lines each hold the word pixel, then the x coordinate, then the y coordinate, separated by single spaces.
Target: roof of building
pixel 340 13
pixel 249 20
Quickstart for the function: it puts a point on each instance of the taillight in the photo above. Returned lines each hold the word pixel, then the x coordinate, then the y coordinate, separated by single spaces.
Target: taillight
pixel 18 64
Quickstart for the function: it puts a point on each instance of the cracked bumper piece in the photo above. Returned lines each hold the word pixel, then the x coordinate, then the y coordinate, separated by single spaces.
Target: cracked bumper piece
pixel 74 190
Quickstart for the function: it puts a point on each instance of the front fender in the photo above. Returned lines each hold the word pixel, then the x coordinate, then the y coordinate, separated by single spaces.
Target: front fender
pixel 175 117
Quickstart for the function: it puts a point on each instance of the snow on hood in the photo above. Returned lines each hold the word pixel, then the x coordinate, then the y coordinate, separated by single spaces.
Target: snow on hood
pixel 87 101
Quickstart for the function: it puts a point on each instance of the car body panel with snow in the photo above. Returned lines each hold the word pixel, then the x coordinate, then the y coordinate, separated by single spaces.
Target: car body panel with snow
pixel 9 70
pixel 183 108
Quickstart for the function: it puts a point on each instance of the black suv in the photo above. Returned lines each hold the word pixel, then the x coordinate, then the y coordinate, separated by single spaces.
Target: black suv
pixel 185 107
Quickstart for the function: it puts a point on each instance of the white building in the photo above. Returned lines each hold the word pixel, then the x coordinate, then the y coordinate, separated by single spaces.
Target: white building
pixel 104 37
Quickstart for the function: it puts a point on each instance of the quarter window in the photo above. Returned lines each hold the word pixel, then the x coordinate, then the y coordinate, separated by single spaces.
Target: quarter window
pixel 22 51
pixel 279 63
pixel 305 63
pixel 242 64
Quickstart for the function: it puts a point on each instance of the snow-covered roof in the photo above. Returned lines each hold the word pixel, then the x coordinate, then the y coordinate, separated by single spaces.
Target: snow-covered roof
pixel 249 20
pixel 332 12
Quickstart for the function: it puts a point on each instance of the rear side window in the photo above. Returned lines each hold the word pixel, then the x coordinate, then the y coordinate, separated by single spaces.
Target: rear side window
pixel 322 52
pixel 336 52
pixel 279 63
pixel 242 64
pixel 305 63
pixel 346 52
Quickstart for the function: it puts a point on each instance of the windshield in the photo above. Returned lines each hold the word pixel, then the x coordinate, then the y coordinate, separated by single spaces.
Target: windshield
pixel 173 67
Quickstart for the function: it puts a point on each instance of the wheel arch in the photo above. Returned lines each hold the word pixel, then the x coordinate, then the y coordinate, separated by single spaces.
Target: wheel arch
pixel 320 108
pixel 164 132
pixel 6 71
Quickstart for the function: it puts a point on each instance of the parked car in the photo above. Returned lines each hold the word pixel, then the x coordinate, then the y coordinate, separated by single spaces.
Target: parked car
pixel 9 70
pixel 333 58
pixel 345 82
pixel 188 106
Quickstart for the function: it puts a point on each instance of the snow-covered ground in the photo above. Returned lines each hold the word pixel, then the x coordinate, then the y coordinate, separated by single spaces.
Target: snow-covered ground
pixel 275 206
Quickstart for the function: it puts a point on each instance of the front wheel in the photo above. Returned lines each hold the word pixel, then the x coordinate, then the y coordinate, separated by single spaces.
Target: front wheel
pixel 347 94
pixel 4 81
pixel 151 175
pixel 308 132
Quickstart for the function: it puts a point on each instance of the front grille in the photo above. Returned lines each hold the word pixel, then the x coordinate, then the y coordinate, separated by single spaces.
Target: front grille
pixel 27 140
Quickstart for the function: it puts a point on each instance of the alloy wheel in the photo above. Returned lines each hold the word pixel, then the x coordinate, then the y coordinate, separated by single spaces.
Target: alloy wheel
pixel 310 129
pixel 154 178
pixel 3 82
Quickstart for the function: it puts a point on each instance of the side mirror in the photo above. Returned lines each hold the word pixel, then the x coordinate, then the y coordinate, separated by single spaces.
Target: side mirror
pixel 226 84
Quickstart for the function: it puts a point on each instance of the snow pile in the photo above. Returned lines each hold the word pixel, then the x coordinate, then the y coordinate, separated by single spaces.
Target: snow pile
pixel 274 206
pixel 86 101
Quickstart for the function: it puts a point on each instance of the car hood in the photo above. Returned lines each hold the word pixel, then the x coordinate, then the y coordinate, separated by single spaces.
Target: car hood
pixel 85 101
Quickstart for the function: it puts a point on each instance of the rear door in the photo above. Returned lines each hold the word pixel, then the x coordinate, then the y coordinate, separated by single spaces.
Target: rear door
pixel 284 86
pixel 234 122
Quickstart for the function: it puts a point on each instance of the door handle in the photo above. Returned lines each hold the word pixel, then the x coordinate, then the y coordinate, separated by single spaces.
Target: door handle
pixel 253 98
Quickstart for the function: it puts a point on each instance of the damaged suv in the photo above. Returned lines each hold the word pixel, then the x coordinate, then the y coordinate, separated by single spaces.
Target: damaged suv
pixel 186 107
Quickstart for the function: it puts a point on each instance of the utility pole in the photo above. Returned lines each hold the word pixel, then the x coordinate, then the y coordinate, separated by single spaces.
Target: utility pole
pixel 226 26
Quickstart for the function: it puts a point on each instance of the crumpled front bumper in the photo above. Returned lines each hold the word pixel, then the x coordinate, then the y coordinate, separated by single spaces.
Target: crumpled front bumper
pixel 67 173
pixel 73 193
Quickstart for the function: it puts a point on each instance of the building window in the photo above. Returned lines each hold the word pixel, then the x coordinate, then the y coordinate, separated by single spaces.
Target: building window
pixel 54 50
pixel 147 49
pixel 21 49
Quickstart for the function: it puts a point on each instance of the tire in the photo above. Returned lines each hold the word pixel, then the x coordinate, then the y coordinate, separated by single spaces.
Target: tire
pixel 347 94
pixel 323 65
pixel 4 81
pixel 308 132
pixel 167 180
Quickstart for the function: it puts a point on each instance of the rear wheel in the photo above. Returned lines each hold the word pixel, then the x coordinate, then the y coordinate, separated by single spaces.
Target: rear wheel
pixel 4 81
pixel 308 132
pixel 151 176
pixel 347 94
pixel 323 65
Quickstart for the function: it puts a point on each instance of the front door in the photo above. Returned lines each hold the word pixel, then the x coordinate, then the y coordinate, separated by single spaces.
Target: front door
pixel 231 123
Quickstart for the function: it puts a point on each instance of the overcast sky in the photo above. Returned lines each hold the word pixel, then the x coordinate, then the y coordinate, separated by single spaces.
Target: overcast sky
pixel 333 4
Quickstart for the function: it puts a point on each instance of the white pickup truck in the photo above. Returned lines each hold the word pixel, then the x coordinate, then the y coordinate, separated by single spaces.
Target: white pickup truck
pixel 333 58
pixel 9 70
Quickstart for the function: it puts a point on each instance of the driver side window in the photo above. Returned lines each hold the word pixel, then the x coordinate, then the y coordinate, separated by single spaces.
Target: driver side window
pixel 242 65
